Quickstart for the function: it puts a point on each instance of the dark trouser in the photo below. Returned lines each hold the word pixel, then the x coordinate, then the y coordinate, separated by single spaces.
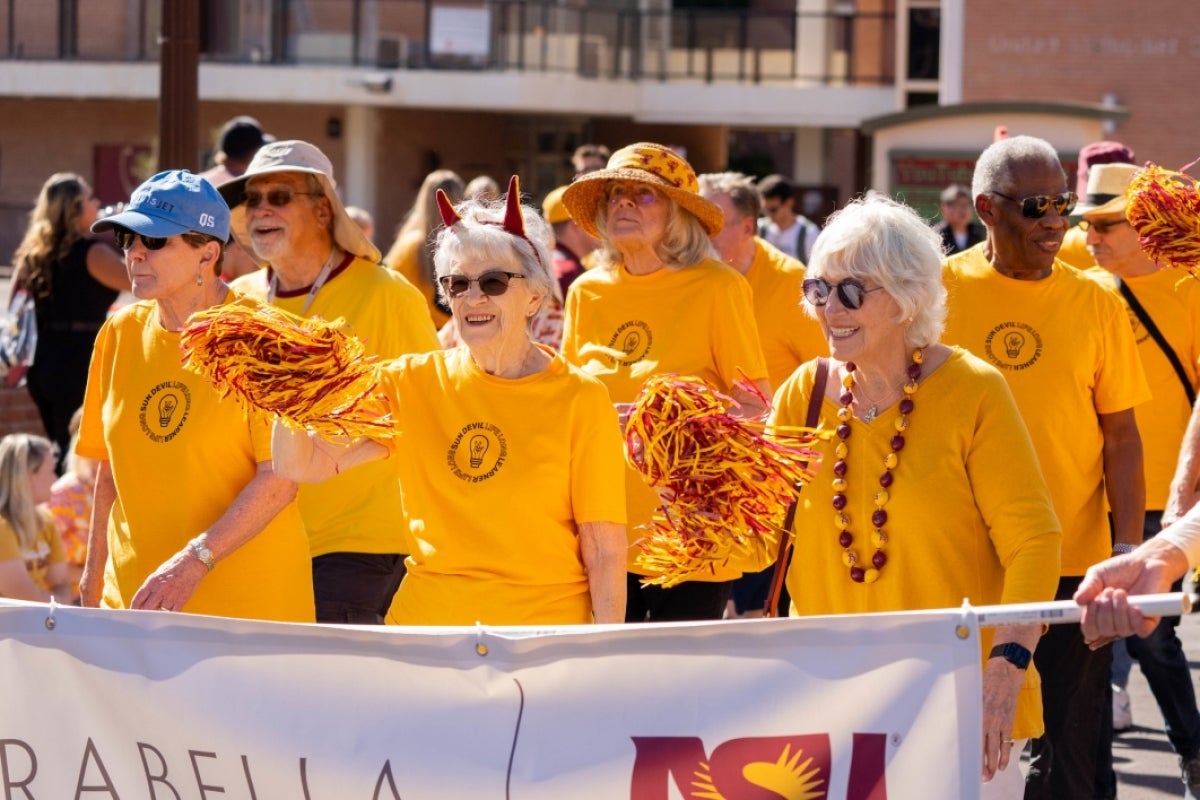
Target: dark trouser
pixel 691 600
pixel 1076 691
pixel 356 588
pixel 57 393
pixel 1162 660
pixel 749 592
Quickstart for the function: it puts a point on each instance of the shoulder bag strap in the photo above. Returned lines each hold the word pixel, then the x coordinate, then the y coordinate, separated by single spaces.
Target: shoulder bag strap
pixel 1159 339
pixel 785 537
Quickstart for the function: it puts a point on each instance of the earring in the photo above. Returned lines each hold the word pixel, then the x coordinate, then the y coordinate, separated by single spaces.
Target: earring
pixel 199 279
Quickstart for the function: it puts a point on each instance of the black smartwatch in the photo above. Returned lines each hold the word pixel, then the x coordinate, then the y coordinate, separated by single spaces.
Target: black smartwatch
pixel 1013 653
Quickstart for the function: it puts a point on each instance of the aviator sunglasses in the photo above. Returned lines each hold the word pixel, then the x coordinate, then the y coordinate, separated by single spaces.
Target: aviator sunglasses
pixel 850 292
pixel 493 283
pixel 276 197
pixel 1039 205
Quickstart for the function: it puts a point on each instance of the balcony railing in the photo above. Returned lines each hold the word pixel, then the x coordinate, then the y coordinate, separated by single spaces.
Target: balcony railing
pixel 843 43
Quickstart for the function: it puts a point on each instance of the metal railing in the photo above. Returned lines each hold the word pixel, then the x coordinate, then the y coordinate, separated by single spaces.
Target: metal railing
pixel 838 46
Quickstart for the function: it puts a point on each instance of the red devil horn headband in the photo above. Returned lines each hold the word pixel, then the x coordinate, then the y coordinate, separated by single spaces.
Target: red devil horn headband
pixel 446 209
pixel 513 222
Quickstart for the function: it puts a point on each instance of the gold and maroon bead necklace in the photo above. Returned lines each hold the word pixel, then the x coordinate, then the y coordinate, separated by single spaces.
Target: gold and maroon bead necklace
pixel 869 572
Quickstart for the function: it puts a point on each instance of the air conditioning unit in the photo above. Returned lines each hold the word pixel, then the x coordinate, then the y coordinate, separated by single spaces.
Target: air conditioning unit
pixel 391 51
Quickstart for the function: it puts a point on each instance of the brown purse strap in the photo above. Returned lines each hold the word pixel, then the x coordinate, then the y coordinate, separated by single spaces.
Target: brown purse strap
pixel 785 538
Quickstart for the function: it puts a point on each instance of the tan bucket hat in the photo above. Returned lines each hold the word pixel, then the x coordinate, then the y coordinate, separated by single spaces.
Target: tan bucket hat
pixel 1106 189
pixel 649 163
pixel 293 155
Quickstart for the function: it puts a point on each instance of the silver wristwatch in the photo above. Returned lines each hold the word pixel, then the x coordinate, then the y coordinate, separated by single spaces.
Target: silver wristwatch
pixel 201 551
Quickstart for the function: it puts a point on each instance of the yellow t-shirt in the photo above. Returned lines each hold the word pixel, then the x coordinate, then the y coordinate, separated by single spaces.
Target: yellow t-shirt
pixel 497 476
pixel 404 259
pixel 1074 249
pixel 969 515
pixel 359 512
pixel 180 455
pixel 47 549
pixel 789 336
pixel 1066 349
pixel 625 328
pixel 1173 303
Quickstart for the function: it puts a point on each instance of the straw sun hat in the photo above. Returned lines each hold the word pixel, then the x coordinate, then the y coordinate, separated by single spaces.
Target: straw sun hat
pixel 648 163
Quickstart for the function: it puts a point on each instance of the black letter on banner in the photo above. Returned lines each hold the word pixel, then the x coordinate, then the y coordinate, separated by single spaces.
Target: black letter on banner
pixel 153 779
pixel 249 780
pixel 9 782
pixel 204 789
pixel 90 753
pixel 386 772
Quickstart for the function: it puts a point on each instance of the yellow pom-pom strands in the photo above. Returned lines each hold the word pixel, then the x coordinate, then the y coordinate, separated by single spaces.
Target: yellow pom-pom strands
pixel 860 571
pixel 308 372
pixel 1164 208
pixel 725 482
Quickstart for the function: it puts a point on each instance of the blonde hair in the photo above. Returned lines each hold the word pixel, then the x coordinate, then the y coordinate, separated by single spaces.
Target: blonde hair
pixel 53 228
pixel 684 242
pixel 423 219
pixel 21 455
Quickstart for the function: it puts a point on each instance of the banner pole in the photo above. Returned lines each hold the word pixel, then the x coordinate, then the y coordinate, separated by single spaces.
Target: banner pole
pixel 1062 611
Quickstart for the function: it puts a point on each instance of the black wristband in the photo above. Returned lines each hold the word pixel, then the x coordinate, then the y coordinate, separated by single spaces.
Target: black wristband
pixel 1013 653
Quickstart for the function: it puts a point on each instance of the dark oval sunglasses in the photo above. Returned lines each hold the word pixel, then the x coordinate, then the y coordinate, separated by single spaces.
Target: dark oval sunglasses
pixel 493 283
pixel 850 292
pixel 125 239
pixel 276 197
pixel 1039 205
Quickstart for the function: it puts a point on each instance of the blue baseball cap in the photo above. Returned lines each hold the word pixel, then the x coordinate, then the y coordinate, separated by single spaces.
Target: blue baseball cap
pixel 171 203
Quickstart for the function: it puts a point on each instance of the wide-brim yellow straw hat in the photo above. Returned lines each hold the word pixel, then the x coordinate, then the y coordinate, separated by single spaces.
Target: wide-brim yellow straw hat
pixel 649 163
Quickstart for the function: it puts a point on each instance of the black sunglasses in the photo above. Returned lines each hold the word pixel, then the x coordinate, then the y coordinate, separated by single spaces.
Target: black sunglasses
pixel 850 292
pixel 125 239
pixel 493 283
pixel 1039 205
pixel 276 197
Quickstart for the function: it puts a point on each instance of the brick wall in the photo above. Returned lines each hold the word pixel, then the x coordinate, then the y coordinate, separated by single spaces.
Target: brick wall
pixel 1143 53
pixel 17 412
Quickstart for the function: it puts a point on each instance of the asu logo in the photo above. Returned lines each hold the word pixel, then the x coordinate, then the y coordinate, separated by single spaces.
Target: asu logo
pixel 754 768
pixel 1013 345
pixel 631 343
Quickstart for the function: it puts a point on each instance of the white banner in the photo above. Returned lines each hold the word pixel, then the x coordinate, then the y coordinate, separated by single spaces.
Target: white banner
pixel 131 705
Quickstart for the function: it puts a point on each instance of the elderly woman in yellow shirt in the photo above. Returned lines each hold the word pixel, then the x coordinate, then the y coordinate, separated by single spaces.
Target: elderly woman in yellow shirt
pixel 659 300
pixel 930 491
pixel 509 458
pixel 188 514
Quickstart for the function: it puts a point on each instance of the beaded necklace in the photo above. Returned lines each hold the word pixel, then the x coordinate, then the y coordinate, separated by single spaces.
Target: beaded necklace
pixel 879 539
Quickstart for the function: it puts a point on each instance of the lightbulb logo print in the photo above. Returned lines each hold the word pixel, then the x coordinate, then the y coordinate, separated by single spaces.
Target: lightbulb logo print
pixel 1013 345
pixel 477 452
pixel 630 343
pixel 163 411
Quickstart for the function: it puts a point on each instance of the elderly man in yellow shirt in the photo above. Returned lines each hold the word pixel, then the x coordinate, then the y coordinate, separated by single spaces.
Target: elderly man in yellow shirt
pixel 1065 347
pixel 320 263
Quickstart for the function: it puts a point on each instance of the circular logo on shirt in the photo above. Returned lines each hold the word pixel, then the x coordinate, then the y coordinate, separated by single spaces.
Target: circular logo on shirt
pixel 631 343
pixel 478 452
pixel 1140 334
pixel 164 410
pixel 1013 345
